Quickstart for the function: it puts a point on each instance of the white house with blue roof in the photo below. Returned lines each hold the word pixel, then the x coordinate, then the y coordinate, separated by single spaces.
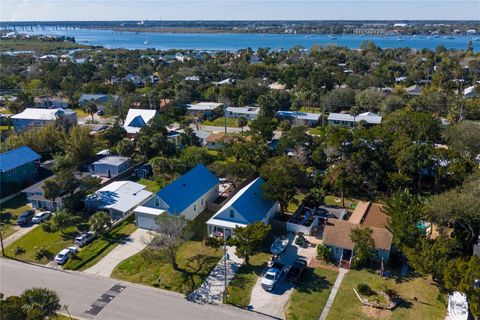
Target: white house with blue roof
pixel 187 196
pixel 247 206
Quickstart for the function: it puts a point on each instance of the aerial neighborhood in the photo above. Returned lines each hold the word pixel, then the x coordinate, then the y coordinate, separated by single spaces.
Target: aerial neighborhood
pixel 301 183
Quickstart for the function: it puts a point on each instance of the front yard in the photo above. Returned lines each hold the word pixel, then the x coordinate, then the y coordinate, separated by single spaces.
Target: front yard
pixel 220 122
pixel 10 210
pixel 419 298
pixel 310 295
pixel 100 247
pixel 195 261
pixel 240 288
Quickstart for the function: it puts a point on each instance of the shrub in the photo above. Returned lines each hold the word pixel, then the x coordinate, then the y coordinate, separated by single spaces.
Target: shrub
pixel 324 253
pixel 365 289
pixel 213 242
pixel 392 293
pixel 43 252
pixel 18 251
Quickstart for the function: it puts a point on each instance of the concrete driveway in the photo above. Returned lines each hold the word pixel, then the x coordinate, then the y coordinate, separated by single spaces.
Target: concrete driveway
pixel 273 302
pixel 133 244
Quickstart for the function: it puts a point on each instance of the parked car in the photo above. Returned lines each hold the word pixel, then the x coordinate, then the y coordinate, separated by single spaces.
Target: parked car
pixel 296 270
pixel 99 113
pixel 41 216
pixel 25 217
pixel 73 249
pixel 84 238
pixel 272 276
pixel 62 256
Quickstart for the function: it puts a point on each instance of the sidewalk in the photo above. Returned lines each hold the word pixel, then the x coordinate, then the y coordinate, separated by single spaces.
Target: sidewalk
pixel 341 273
pixel 212 289
pixel 135 243
pixel 21 231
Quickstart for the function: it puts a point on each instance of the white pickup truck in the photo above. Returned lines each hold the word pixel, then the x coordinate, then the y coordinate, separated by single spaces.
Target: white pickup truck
pixel 272 276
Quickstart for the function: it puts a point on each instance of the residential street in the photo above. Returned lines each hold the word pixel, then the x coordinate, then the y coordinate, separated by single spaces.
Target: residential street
pixel 133 244
pixel 108 298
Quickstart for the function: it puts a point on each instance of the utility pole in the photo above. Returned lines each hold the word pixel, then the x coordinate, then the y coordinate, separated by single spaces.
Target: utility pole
pixel 225 257
pixel 1 240
pixel 225 117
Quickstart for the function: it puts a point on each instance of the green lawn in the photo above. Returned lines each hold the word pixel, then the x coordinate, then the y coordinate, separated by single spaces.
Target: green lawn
pixel 426 306
pixel 151 185
pixel 100 247
pixel 37 238
pixel 10 210
pixel 195 261
pixel 316 130
pixel 220 122
pixel 240 288
pixel 81 113
pixel 311 294
pixel 36 45
pixel 292 207
pixel 331 201
pixel 5 128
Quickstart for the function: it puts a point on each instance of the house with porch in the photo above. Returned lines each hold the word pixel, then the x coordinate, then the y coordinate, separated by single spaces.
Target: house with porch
pixel 37 117
pixel 118 198
pixel 18 168
pixel 188 196
pixel 336 233
pixel 298 117
pixel 346 119
pixel 247 206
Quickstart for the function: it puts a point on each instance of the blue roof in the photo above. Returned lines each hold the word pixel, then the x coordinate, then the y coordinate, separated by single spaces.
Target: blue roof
pixel 249 202
pixel 17 157
pixel 184 191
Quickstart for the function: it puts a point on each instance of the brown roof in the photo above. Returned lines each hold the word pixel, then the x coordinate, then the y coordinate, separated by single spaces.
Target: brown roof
pixel 337 233
pixel 369 214
pixel 220 137
pixel 215 137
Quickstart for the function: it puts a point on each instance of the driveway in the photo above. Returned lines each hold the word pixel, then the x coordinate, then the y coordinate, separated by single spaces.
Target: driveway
pixel 133 244
pixel 273 302
pixel 20 232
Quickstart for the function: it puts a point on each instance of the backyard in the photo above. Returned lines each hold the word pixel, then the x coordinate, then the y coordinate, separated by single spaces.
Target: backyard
pixel 100 247
pixel 195 261
pixel 240 288
pixel 419 298
pixel 220 122
pixel 311 294
pixel 10 210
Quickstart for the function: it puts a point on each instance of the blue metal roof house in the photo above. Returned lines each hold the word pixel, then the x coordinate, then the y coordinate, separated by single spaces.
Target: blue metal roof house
pixel 18 168
pixel 187 196
pixel 248 206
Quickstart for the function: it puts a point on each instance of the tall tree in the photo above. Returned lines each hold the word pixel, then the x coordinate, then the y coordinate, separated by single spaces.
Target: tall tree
pixel 364 246
pixel 91 108
pixel 249 239
pixel 100 221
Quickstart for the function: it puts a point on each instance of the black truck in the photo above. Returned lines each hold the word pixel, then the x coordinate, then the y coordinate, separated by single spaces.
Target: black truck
pixel 296 270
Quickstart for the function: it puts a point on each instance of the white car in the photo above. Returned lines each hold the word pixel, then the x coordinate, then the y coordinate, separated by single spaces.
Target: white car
pixel 62 256
pixel 41 216
pixel 273 275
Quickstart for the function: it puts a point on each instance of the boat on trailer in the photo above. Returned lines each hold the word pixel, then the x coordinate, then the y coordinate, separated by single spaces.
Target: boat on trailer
pixel 279 245
pixel 457 306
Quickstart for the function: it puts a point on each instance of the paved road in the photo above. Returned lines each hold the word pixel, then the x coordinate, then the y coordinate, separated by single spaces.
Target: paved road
pixel 341 274
pixel 21 231
pixel 133 244
pixel 82 291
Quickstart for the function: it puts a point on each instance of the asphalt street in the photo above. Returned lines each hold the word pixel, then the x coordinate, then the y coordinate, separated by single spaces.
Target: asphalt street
pixel 86 294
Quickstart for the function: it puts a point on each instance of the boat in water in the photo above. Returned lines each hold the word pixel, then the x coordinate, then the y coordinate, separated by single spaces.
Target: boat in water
pixel 457 306
pixel 279 245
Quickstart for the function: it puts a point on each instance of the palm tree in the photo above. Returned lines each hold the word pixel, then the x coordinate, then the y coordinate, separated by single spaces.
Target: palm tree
pixel 41 302
pixel 354 111
pixel 91 108
pixel 242 122
pixel 100 222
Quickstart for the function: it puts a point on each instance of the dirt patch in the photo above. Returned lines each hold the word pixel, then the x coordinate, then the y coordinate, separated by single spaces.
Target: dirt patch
pixel 317 263
pixel 376 313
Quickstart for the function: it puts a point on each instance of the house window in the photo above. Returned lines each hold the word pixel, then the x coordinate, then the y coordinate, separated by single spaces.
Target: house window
pixel 202 201
pixel 157 202
pixel 194 207
pixel 232 213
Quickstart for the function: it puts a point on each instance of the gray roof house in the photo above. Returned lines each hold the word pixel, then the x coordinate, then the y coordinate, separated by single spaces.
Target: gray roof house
pixel 251 113
pixel 38 117
pixel 110 166
pixel 346 119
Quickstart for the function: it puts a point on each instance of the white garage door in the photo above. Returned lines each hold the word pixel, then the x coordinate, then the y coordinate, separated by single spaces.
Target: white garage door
pixel 146 222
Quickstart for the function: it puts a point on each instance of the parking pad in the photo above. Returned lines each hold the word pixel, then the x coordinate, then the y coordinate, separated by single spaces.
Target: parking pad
pixel 104 299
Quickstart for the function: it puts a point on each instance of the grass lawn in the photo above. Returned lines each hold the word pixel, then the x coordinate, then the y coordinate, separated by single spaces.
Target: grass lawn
pixel 331 201
pixel 10 210
pixel 311 294
pixel 220 122
pixel 34 45
pixel 316 130
pixel 299 197
pixel 151 185
pixel 427 306
pixel 81 113
pixel 195 261
pixel 100 247
pixel 240 288
pixel 37 238
pixel 5 128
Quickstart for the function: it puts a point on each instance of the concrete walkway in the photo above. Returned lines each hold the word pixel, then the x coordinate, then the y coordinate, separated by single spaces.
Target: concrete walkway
pixel 135 243
pixel 341 273
pixel 21 231
pixel 212 289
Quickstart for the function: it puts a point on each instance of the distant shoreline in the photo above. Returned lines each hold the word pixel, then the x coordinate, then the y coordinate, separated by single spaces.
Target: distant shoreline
pixel 170 30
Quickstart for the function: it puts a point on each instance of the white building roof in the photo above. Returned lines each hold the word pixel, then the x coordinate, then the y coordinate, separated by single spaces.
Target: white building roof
pixel 369 117
pixel 299 115
pixel 244 110
pixel 121 196
pixel 203 106
pixel 469 91
pixel 42 114
pixel 113 160
pixel 137 118
pixel 150 211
